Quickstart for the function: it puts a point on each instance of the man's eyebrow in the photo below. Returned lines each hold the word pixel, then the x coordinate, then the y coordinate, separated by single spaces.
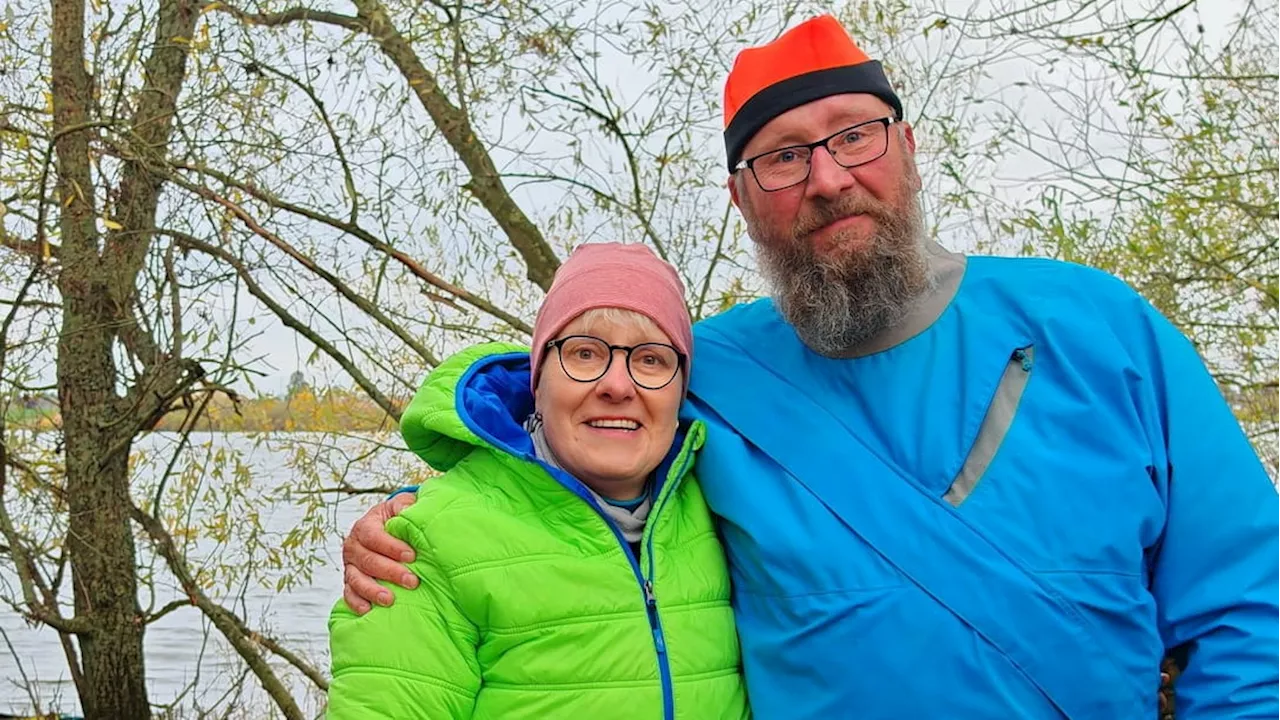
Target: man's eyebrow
pixel 795 136
pixel 791 137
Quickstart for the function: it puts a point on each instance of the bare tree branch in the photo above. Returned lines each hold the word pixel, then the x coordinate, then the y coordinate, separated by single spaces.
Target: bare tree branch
pixel 370 388
pixel 285 17
pixel 347 178
pixel 227 623
pixel 485 183
pixel 332 280
pixel 473 299
pixel 636 206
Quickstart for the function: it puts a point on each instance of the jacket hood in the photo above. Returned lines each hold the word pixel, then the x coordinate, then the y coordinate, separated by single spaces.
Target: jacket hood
pixel 478 397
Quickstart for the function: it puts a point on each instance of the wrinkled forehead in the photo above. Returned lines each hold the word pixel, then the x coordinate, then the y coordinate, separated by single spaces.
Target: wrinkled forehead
pixel 815 120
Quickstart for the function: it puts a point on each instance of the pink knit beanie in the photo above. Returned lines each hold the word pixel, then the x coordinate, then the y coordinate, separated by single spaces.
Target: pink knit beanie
pixel 600 275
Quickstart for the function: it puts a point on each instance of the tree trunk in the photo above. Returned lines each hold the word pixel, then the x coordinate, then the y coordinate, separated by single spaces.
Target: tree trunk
pixel 100 543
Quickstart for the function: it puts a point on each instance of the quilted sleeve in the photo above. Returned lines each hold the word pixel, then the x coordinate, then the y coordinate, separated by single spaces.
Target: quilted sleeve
pixel 416 658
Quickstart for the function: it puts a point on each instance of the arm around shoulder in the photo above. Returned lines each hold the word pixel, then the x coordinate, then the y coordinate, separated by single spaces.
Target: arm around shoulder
pixel 416 658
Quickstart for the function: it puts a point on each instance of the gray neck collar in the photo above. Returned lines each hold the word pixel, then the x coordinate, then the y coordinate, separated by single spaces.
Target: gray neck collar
pixel 630 521
pixel 533 426
pixel 948 269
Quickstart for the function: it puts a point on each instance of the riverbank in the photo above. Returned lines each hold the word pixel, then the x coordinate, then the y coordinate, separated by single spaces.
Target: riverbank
pixel 333 410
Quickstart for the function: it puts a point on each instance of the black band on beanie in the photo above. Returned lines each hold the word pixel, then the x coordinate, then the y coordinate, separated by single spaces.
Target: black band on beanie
pixel 867 77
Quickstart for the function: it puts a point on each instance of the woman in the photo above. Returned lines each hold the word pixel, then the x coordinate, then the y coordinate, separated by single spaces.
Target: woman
pixel 568 565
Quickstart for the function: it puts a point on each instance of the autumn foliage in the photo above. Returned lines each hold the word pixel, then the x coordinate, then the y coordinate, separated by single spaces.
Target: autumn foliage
pixel 332 410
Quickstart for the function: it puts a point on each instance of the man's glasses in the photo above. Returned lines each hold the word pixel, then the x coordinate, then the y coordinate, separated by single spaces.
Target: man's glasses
pixel 584 358
pixel 853 146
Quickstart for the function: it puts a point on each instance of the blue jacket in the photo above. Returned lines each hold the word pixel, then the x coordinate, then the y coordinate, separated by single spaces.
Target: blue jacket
pixel 1013 514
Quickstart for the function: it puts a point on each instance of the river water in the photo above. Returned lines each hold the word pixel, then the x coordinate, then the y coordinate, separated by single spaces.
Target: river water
pixel 189 665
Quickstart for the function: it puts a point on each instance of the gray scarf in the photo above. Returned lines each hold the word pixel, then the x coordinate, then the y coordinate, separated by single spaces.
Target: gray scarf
pixel 629 520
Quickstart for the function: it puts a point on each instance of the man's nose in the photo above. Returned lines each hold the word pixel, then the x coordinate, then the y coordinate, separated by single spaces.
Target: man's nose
pixel 828 179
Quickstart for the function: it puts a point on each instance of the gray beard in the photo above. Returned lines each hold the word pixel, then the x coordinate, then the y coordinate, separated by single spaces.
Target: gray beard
pixel 838 305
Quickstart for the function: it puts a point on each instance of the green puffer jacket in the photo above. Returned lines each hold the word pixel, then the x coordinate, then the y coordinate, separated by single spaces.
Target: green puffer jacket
pixel 530 604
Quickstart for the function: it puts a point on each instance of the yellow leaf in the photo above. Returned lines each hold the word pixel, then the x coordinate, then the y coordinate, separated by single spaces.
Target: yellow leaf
pixel 211 6
pixel 112 224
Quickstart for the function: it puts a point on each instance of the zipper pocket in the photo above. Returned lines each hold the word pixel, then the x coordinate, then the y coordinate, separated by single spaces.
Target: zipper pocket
pixel 995 424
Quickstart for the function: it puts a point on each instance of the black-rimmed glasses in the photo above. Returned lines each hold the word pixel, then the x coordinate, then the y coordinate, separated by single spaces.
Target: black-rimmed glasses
pixel 584 358
pixel 853 146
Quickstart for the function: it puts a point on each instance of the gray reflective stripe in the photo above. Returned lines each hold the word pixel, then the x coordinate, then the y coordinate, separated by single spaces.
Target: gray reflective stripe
pixel 995 425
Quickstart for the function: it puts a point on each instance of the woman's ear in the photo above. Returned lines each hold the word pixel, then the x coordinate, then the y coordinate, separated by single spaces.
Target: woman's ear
pixel 538 378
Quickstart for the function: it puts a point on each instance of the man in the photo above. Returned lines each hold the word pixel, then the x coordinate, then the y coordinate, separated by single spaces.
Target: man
pixel 953 487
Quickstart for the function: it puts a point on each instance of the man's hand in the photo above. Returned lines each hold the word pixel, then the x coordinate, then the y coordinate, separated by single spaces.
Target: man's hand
pixel 369 554
pixel 1168 675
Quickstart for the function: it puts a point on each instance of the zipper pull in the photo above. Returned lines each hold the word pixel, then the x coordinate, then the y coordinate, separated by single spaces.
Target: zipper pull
pixel 649 599
pixel 1021 356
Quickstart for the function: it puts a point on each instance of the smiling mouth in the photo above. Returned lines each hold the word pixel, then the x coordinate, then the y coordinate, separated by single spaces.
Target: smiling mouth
pixel 629 425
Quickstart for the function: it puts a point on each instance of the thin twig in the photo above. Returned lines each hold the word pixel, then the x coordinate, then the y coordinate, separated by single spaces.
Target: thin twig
pixel 27 685
pixel 227 623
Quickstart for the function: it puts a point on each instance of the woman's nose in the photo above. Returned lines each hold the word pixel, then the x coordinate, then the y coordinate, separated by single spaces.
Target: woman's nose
pixel 616 383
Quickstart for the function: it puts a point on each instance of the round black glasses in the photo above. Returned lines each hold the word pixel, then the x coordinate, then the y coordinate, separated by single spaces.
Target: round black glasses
pixel 584 358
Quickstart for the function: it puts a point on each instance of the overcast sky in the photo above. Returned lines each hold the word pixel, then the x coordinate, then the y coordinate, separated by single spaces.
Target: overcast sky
pixel 284 352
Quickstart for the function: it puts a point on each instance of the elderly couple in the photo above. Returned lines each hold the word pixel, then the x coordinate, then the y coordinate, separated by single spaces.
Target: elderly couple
pixel 912 485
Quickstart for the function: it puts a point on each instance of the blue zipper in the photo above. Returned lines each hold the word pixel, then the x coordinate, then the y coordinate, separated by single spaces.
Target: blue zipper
pixel 651 602
pixel 646 586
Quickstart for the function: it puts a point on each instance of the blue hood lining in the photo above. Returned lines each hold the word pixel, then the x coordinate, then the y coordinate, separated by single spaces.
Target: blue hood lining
pixel 493 399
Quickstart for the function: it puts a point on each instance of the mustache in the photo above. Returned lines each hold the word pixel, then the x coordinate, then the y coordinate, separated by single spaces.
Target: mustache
pixel 828 211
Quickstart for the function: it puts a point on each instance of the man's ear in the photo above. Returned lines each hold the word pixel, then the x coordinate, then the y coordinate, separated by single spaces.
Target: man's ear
pixel 909 144
pixel 732 184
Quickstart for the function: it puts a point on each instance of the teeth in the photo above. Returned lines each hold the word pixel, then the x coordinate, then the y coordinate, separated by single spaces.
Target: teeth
pixel 615 424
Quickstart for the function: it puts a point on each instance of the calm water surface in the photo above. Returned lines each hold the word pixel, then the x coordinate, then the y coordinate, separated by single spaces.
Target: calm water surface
pixel 188 663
